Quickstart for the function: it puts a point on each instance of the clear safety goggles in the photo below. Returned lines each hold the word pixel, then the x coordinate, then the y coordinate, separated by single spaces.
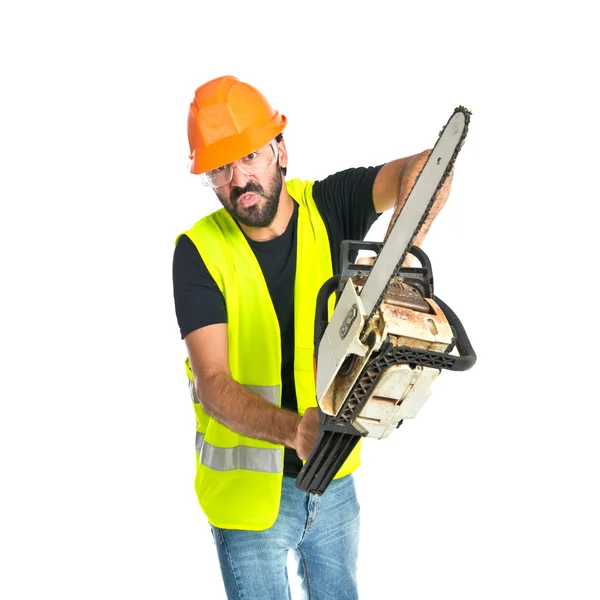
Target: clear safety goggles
pixel 252 164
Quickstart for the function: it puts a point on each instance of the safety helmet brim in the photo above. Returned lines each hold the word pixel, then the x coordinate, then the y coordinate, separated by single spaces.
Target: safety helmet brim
pixel 227 149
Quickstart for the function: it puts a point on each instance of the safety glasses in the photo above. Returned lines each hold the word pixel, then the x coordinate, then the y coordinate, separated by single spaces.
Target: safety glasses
pixel 252 164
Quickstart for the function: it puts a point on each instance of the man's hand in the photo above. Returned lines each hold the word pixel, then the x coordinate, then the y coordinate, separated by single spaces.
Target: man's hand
pixel 306 434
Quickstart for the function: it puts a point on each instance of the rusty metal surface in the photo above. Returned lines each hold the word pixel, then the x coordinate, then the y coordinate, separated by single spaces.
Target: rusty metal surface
pixel 406 327
pixel 402 294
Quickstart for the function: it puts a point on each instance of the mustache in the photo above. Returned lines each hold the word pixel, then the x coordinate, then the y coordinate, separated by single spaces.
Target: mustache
pixel 251 186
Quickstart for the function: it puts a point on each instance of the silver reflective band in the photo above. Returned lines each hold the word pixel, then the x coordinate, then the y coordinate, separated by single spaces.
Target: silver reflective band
pixel 193 392
pixel 270 393
pixel 265 460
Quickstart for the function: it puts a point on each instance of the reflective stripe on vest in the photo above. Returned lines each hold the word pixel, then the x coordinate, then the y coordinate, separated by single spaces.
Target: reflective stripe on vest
pixel 265 460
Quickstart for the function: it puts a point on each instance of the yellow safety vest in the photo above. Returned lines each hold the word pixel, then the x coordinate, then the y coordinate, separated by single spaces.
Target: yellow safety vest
pixel 238 478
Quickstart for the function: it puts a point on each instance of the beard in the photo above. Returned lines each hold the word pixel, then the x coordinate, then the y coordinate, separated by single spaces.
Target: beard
pixel 262 213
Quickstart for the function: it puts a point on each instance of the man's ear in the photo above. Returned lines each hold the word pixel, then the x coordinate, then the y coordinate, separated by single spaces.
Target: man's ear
pixel 283 155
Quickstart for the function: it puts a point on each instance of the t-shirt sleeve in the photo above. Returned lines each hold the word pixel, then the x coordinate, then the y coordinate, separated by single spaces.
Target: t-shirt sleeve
pixel 345 201
pixel 198 299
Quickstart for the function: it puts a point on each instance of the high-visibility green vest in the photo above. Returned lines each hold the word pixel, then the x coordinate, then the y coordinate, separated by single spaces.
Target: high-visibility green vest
pixel 238 478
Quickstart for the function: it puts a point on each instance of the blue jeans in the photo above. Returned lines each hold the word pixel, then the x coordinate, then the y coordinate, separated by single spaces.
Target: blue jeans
pixel 321 530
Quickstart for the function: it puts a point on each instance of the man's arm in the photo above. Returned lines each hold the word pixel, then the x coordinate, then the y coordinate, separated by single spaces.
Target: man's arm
pixel 234 405
pixel 395 181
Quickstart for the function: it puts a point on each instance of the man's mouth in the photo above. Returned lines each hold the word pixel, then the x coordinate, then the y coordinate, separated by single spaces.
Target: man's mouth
pixel 247 199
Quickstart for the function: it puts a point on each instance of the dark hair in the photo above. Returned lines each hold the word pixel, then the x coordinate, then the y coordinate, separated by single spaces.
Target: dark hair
pixel 278 140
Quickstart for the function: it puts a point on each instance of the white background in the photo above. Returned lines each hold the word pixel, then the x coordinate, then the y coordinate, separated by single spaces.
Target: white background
pixel 491 492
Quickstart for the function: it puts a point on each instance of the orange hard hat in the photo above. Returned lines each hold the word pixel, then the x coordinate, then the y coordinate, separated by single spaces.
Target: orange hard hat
pixel 227 120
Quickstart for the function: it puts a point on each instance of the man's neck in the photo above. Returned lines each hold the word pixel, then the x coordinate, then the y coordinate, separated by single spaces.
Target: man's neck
pixel 285 210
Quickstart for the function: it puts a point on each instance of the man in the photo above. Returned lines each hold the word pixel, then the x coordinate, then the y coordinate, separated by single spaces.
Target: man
pixel 246 279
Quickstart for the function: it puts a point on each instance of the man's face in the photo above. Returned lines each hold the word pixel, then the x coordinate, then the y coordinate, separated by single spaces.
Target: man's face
pixel 252 200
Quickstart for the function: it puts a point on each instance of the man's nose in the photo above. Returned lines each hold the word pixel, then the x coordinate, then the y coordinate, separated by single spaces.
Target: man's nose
pixel 238 179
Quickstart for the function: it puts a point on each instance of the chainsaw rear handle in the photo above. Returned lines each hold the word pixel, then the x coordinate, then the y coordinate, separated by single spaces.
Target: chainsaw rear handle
pixel 467 356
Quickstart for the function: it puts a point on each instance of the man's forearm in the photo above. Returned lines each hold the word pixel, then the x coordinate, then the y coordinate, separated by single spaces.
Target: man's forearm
pixel 236 407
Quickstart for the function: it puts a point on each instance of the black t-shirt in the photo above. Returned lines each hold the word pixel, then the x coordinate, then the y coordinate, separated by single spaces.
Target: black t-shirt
pixel 345 202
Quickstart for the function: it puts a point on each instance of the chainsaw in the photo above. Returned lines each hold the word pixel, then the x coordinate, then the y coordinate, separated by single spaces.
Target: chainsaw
pixel 389 336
